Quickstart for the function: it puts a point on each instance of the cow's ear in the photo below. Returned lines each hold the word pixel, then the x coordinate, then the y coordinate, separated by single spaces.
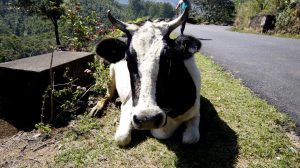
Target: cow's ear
pixel 188 45
pixel 112 50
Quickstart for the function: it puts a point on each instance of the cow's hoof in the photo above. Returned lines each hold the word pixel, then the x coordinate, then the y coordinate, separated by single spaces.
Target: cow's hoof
pixel 98 108
pixel 191 136
pixel 122 139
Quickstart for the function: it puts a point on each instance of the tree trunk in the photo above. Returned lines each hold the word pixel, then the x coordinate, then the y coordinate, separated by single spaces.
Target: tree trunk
pixel 56 31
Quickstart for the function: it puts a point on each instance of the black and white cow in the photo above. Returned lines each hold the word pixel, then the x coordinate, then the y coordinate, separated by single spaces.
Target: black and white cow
pixel 156 79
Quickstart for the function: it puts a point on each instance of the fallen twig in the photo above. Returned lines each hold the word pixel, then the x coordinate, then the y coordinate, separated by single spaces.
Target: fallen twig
pixel 23 149
pixel 90 87
pixel 34 160
pixel 63 84
pixel 43 146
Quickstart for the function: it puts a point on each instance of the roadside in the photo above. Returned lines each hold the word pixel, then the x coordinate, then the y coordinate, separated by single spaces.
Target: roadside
pixel 267 65
pixel 237 130
pixel 293 36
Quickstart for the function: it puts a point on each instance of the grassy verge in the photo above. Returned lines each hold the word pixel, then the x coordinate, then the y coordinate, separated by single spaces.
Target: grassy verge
pixel 237 130
pixel 293 36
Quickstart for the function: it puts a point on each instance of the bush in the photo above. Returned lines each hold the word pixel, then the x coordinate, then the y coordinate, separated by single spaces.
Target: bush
pixel 288 21
pixel 213 11
pixel 101 75
pixel 287 14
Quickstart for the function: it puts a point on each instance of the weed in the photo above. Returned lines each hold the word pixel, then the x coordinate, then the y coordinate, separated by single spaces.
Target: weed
pixel 43 128
pixel 101 75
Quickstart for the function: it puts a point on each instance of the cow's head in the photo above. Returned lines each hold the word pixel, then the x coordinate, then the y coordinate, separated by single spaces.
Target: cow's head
pixel 148 48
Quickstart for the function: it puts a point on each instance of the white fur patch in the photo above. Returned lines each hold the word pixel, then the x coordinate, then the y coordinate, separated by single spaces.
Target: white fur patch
pixel 123 133
pixel 148 44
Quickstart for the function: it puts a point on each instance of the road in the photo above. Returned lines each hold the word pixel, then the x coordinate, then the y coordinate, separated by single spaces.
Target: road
pixel 270 66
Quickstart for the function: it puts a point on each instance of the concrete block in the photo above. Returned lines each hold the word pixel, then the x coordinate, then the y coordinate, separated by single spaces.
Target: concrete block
pixel 23 83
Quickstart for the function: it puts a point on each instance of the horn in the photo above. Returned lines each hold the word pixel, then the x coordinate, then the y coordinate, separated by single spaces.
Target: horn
pixel 119 24
pixel 178 21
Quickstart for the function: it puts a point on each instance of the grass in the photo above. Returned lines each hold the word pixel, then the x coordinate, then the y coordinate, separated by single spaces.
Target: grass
pixel 287 35
pixel 237 130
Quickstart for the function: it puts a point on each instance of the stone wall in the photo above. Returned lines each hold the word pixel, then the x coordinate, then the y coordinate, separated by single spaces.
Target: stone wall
pixel 24 81
pixel 262 23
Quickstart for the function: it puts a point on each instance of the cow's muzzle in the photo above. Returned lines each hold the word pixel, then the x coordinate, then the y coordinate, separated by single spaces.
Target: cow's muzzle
pixel 147 122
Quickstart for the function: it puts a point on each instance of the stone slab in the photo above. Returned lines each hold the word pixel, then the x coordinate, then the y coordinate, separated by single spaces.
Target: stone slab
pixel 23 83
pixel 42 62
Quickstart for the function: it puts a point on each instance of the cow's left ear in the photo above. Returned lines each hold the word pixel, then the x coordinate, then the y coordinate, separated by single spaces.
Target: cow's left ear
pixel 188 45
pixel 112 50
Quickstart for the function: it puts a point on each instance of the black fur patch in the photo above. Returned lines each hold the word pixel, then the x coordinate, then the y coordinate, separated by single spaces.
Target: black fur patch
pixel 187 45
pixel 135 80
pixel 175 89
pixel 112 50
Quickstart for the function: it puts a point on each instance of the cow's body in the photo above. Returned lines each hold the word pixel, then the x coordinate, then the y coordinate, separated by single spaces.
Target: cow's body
pixel 158 82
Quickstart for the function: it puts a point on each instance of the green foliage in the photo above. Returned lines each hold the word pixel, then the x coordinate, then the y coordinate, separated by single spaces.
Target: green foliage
pixel 81 30
pixel 22 35
pixel 26 26
pixel 67 97
pixel 67 94
pixel 244 13
pixel 142 8
pixel 51 9
pixel 101 75
pixel 14 47
pixel 213 11
pixel 288 20
pixel 43 128
pixel 287 14
pixel 86 123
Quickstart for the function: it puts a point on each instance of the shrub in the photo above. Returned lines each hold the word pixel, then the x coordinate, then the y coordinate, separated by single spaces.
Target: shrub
pixel 288 21
pixel 287 14
pixel 213 11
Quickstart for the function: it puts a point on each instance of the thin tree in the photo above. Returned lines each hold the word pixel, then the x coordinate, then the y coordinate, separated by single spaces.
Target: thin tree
pixel 51 9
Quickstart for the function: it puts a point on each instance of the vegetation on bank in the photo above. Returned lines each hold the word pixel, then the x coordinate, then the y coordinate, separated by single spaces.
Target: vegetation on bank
pixel 213 11
pixel 237 128
pixel 287 14
pixel 28 28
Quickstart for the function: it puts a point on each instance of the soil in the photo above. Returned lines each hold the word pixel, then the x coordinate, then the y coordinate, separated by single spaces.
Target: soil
pixel 32 148
pixel 7 129
pixel 29 149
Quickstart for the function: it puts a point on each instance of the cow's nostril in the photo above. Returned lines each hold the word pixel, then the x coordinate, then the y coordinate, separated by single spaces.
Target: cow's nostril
pixel 136 120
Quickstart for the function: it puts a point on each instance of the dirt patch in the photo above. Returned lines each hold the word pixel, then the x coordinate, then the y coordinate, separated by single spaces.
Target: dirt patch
pixel 7 130
pixel 29 149
pixel 294 139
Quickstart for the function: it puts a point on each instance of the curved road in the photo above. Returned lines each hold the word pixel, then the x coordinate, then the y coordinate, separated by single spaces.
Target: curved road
pixel 270 66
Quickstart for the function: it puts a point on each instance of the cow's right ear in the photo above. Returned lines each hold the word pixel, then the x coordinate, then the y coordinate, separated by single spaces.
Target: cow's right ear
pixel 112 50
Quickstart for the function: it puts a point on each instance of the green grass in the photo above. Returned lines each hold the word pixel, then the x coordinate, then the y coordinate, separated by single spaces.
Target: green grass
pixel 237 130
pixel 293 36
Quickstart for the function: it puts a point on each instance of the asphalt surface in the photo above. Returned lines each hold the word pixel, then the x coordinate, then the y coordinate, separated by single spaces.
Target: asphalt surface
pixel 270 66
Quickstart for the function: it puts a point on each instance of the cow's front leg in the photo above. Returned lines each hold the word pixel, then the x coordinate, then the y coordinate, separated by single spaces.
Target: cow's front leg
pixel 123 133
pixel 101 104
pixel 110 94
pixel 166 131
pixel 191 134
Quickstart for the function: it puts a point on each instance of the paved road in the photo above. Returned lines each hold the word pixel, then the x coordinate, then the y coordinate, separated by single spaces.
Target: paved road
pixel 270 66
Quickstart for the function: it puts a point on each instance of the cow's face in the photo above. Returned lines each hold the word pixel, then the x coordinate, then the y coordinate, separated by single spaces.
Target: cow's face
pixel 146 48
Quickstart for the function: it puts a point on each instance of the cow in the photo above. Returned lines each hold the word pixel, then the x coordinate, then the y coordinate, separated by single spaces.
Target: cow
pixel 156 78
